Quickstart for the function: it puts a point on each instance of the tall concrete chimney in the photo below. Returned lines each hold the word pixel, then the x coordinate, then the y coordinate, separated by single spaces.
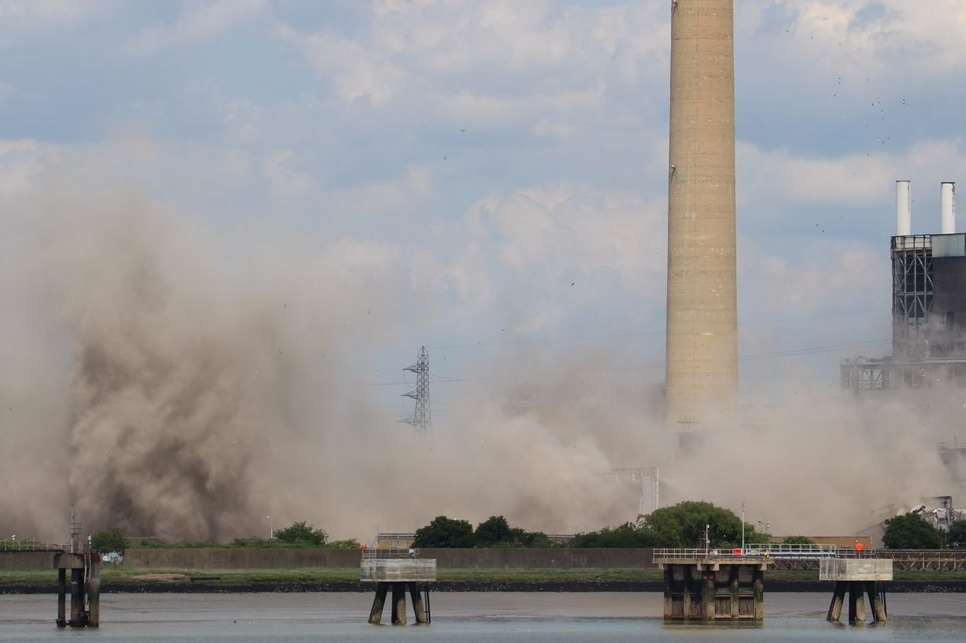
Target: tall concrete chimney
pixel 948 206
pixel 702 307
pixel 903 208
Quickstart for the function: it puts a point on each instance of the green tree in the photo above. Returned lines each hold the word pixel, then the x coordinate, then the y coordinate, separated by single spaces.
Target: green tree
pixel 534 539
pixel 302 533
pixel 798 540
pixel 910 531
pixel 445 532
pixel 109 540
pixel 683 525
pixel 957 535
pixel 493 531
pixel 626 535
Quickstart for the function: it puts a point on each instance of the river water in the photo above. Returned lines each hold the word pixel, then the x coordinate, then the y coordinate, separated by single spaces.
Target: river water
pixel 483 617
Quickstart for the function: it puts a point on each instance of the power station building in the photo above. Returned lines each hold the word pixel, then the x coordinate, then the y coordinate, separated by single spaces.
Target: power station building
pixel 928 306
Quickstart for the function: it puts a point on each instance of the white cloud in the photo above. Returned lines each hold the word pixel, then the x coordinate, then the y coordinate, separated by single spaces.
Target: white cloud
pixel 498 60
pixel 860 38
pixel 357 71
pixel 832 275
pixel 38 12
pixel 283 178
pixel 382 196
pixel 547 252
pixel 7 91
pixel 199 22
pixel 22 20
pixel 780 178
pixel 21 163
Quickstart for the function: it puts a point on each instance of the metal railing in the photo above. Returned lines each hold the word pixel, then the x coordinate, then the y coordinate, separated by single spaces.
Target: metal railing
pixel 30 545
pixel 749 552
pixel 907 559
pixel 373 553
pixel 912 242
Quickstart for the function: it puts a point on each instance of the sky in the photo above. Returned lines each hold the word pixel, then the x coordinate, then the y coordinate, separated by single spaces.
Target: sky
pixel 499 167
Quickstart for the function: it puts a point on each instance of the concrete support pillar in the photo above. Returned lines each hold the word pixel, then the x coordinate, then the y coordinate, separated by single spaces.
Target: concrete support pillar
pixel 856 603
pixel 707 596
pixel 688 588
pixel 418 607
pixel 735 593
pixel 882 605
pixel 76 598
pixel 61 597
pixel 732 592
pixel 399 603
pixel 668 598
pixel 835 607
pixel 759 595
pixel 94 602
pixel 375 614
pixel 876 602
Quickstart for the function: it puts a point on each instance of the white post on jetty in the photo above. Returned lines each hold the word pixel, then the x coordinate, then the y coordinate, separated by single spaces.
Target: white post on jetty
pixel 742 526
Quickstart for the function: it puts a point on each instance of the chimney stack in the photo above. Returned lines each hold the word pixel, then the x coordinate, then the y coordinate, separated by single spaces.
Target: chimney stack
pixel 702 306
pixel 948 192
pixel 903 208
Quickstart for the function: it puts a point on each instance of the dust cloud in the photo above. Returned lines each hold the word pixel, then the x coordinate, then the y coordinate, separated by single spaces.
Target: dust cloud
pixel 166 385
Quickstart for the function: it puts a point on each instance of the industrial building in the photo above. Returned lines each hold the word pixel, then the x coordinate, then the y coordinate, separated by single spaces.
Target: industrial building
pixel 928 326
pixel 928 306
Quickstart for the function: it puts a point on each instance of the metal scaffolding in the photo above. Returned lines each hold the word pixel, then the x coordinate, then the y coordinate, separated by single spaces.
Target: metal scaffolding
pixel 649 479
pixel 913 290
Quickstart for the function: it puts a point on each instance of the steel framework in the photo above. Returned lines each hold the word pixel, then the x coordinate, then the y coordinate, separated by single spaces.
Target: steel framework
pixel 913 289
pixel 422 416
pixel 649 478
pixel 913 293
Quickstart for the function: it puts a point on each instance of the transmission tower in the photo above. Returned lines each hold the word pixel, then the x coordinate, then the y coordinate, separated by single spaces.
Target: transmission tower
pixel 422 417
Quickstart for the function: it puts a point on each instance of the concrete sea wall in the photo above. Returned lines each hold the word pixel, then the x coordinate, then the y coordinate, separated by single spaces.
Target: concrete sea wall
pixel 278 558
pixel 243 558
pixel 26 560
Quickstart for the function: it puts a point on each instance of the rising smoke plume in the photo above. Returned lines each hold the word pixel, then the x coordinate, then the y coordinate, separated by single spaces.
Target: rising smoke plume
pixel 167 386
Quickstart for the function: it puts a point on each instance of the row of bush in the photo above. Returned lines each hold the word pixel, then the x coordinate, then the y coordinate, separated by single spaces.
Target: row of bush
pixel 298 534
pixel 682 525
pixel 495 531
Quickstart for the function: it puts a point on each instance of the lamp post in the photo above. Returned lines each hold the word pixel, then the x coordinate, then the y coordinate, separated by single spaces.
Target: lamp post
pixel 742 528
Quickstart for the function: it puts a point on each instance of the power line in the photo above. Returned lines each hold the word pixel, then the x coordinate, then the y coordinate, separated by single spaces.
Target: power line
pixel 805 351
pixel 813 350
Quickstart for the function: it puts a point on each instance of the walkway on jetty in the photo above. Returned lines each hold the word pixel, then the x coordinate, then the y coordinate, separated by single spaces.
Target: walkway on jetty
pixel 804 557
